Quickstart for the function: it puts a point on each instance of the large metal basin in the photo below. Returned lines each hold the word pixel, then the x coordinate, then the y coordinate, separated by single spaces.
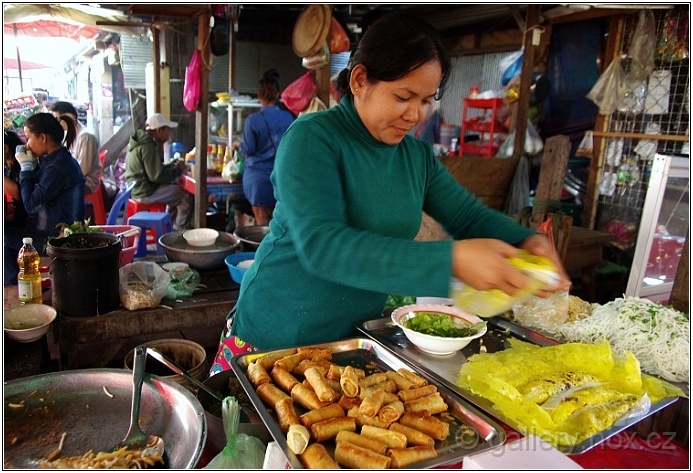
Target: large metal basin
pixel 92 406
pixel 251 236
pixel 199 257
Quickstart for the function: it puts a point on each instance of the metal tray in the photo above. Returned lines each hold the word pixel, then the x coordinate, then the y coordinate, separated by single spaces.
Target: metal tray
pixel 370 356
pixel 445 369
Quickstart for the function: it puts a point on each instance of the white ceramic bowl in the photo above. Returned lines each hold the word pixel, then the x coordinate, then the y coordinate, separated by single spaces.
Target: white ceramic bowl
pixel 201 236
pixel 29 322
pixel 430 343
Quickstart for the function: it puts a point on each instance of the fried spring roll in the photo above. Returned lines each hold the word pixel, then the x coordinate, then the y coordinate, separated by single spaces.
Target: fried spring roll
pixel 414 437
pixel 362 420
pixel 387 385
pixel 372 403
pixel 283 378
pixel 353 456
pixel 370 380
pixel 348 402
pixel 402 383
pixel 297 438
pixel 366 442
pixel 320 385
pixel 349 381
pixel 267 361
pixel 391 438
pixel 426 423
pixel 324 413
pixel 416 393
pixel 286 414
pixel 335 385
pixel 271 394
pixel 321 365
pixel 402 457
pixel 391 412
pixel 413 377
pixel 316 457
pixel 314 353
pixel 290 362
pixel 433 404
pixel 328 429
pixel 306 397
pixel 335 372
pixel 257 374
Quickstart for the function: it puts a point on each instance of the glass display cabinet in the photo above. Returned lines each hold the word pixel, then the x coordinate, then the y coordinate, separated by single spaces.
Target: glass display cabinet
pixel 226 120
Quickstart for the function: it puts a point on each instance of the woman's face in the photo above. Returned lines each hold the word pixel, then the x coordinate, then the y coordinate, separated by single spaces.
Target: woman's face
pixel 389 110
pixel 37 142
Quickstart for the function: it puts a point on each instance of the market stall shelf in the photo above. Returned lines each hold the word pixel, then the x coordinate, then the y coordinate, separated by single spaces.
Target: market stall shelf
pixel 445 369
pixel 370 356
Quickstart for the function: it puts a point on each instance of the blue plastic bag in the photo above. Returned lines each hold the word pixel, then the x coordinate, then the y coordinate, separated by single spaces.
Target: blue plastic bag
pixel 511 66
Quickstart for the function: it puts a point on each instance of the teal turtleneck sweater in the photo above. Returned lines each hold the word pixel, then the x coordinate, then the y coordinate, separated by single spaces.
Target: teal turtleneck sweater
pixel 341 239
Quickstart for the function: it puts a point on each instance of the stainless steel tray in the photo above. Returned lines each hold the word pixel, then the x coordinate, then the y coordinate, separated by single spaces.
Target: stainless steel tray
pixel 445 369
pixel 370 356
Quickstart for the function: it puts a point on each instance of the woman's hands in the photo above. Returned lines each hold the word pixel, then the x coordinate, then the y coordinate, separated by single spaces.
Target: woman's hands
pixel 483 264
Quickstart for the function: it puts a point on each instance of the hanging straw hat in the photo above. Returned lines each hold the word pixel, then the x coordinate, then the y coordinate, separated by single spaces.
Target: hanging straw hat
pixel 311 30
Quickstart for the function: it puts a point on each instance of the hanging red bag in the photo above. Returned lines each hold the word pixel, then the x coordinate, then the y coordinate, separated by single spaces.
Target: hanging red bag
pixel 339 41
pixel 299 93
pixel 191 89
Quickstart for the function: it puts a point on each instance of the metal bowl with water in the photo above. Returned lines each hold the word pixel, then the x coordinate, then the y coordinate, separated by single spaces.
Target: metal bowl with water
pixel 199 257
pixel 251 236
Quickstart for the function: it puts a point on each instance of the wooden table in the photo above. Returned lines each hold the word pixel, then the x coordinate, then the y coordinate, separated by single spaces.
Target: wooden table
pixel 585 250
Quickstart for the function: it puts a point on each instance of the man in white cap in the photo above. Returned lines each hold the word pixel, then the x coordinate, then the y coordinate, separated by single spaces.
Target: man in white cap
pixel 156 182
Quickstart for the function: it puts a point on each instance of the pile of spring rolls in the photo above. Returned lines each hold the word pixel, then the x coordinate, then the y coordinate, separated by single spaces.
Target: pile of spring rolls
pixel 381 420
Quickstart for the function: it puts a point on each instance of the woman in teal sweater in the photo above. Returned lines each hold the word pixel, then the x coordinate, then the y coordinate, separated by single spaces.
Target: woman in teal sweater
pixel 351 184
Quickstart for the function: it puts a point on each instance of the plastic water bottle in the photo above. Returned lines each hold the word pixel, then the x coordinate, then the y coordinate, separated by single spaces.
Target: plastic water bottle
pixel 29 277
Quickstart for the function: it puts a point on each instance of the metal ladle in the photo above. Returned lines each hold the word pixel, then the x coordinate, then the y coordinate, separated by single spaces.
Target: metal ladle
pixel 172 365
pixel 135 439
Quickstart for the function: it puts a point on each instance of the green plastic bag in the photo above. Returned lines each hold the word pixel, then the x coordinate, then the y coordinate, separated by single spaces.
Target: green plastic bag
pixel 242 451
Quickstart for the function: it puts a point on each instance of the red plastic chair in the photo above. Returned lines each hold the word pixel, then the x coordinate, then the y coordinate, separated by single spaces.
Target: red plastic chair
pixel 96 197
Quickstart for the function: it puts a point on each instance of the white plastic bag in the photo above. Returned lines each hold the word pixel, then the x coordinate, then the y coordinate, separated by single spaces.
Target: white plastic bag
pixel 142 285
pixel 543 313
pixel 610 88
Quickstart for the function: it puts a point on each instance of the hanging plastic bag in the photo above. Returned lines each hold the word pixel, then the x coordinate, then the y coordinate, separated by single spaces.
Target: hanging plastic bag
pixel 511 66
pixel 233 170
pixel 643 47
pixel 191 89
pixel 610 88
pixel 242 451
pixel 586 145
pixel 299 93
pixel 220 36
pixel 339 41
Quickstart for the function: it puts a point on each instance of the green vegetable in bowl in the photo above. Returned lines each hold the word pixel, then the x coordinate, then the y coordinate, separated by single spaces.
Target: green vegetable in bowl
pixel 442 325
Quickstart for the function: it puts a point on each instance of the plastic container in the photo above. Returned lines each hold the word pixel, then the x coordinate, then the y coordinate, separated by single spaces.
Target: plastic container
pixel 233 260
pixel 129 239
pixel 29 277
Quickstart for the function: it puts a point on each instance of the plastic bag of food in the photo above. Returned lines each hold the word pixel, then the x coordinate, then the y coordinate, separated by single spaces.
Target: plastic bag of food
pixel 142 285
pixel 183 281
pixel 543 313
pixel 242 451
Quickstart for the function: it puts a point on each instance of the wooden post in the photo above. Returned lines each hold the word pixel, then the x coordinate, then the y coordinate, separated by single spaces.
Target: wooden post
pixel 679 298
pixel 201 123
pixel 522 109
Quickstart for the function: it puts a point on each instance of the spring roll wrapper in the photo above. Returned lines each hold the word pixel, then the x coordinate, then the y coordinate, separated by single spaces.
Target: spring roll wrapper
pixel 424 422
pixel 322 365
pixel 268 360
pixel 413 377
pixel 349 381
pixel 316 457
pixel 286 414
pixel 414 437
pixel 353 456
pixel 283 378
pixel 335 372
pixel 402 457
pixel 314 354
pixel 297 438
pixel 372 403
pixel 290 362
pixel 271 394
pixel 402 383
pixel 336 387
pixel 366 442
pixel 388 385
pixel 306 397
pixel 328 429
pixel 391 412
pixel 348 402
pixel 320 385
pixel 433 404
pixel 324 413
pixel 257 374
pixel 371 379
pixel 390 438
pixel 416 393
pixel 362 420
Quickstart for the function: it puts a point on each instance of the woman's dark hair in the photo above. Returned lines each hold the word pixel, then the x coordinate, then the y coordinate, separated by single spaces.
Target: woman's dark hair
pixel 12 140
pixel 269 86
pixel 392 47
pixel 46 123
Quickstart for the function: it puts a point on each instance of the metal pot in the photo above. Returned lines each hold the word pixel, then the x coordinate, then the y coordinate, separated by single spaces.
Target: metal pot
pixel 251 236
pixel 199 257
pixel 92 407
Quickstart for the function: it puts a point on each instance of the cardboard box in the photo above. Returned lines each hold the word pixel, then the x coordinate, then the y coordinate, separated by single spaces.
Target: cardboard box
pixel 527 453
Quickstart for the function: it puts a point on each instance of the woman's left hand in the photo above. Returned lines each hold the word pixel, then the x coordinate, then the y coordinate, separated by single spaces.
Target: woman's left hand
pixel 540 245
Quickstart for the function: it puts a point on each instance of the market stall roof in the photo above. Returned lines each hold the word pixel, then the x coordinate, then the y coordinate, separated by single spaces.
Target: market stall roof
pixel 12 64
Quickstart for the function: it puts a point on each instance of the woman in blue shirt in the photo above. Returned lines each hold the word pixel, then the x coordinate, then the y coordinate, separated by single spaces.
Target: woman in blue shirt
pixel 262 133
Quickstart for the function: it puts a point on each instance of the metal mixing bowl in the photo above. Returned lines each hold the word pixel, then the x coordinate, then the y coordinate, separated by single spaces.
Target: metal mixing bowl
pixel 199 257
pixel 251 236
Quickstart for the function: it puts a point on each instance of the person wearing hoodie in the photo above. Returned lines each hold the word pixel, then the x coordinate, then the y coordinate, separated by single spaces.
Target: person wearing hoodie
pixel 156 182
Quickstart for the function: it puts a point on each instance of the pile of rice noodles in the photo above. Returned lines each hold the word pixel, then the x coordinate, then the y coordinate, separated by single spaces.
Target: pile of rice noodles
pixel 658 336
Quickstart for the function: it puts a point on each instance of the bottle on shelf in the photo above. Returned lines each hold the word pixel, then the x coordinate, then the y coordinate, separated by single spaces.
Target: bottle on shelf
pixel 211 156
pixel 219 161
pixel 227 155
pixel 29 277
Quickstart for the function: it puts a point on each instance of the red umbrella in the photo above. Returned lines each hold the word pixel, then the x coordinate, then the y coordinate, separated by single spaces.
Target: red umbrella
pixel 11 63
pixel 50 29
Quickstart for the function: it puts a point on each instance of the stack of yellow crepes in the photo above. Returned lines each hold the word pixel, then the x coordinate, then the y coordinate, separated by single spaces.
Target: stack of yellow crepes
pixel 564 394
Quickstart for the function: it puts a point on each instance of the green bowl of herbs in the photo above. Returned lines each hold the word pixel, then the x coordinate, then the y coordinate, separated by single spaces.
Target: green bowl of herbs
pixel 438 329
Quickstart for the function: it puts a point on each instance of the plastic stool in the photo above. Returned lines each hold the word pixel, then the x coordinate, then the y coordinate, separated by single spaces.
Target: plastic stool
pixel 132 207
pixel 159 222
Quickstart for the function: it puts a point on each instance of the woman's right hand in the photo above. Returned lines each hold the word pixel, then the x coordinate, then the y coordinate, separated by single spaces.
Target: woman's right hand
pixel 483 264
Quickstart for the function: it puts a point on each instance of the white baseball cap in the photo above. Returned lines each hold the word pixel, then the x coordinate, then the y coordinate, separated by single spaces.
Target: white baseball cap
pixel 157 121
